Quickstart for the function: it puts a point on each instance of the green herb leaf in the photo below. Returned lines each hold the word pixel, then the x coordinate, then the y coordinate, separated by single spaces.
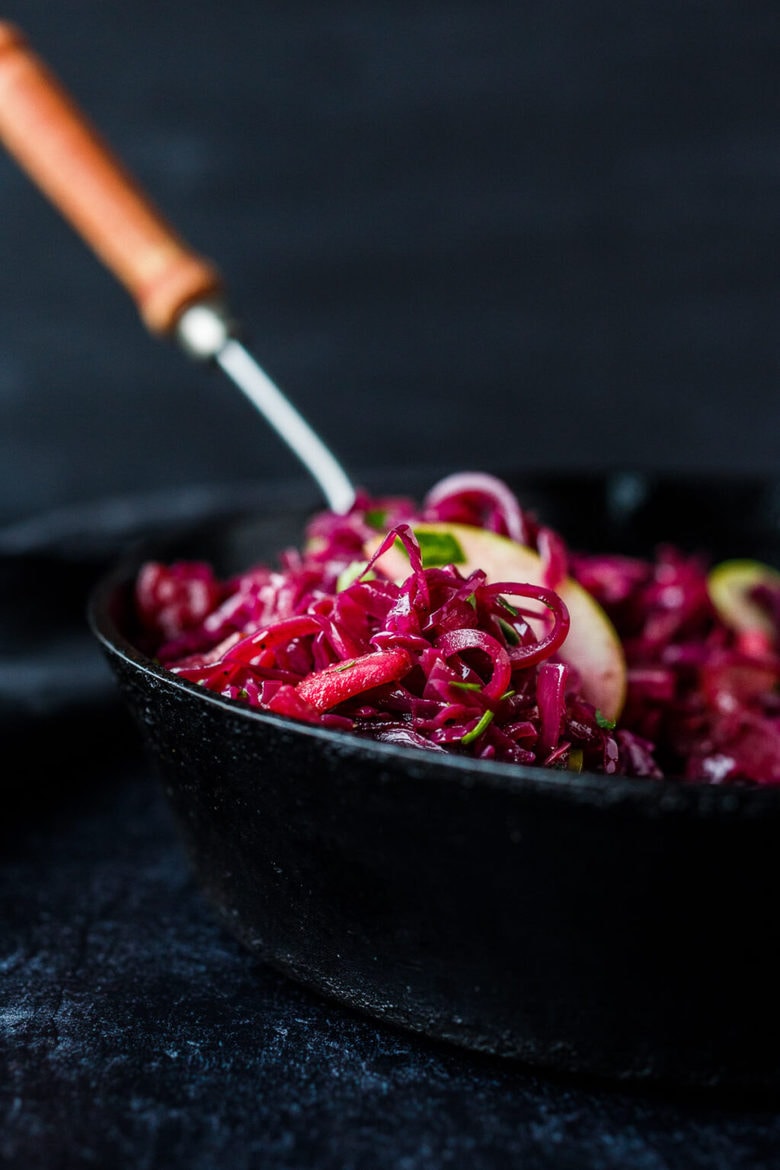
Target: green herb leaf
pixel 478 728
pixel 510 633
pixel 604 723
pixel 439 548
pixel 376 518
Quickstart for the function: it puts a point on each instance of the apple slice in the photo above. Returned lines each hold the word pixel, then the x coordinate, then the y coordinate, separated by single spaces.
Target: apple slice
pixel 730 585
pixel 592 646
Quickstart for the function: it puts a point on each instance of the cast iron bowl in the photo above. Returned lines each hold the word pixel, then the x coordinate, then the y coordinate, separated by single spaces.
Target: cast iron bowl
pixel 610 926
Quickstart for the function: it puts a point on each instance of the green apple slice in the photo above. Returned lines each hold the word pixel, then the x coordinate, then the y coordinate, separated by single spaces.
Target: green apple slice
pixel 592 646
pixel 730 585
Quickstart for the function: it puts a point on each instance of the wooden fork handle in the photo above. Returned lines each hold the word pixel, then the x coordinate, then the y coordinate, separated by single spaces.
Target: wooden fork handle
pixel 74 167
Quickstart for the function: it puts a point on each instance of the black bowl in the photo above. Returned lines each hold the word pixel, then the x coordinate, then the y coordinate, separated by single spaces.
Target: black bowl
pixel 610 926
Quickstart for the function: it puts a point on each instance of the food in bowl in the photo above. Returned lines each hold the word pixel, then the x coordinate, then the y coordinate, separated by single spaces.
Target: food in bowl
pixel 462 624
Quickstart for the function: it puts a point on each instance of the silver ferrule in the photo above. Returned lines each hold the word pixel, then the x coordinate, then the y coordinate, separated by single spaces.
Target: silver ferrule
pixel 204 329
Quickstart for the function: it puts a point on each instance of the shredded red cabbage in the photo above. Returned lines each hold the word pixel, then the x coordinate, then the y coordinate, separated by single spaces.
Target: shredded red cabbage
pixel 444 661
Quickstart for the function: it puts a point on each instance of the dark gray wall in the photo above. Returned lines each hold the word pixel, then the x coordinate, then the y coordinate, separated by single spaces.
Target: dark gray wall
pixel 483 234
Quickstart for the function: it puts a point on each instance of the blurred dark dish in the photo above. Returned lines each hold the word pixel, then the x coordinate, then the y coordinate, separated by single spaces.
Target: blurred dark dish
pixel 612 926
pixel 59 713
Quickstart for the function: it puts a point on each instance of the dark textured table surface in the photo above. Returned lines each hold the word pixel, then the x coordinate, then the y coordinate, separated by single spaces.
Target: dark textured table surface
pixel 136 1033
pixel 462 234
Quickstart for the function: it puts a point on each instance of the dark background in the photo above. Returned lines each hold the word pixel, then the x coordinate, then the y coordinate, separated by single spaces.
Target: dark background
pixel 488 235
pixel 538 236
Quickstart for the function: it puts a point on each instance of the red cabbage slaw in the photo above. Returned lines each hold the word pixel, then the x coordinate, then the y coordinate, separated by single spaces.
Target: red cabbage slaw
pixel 445 661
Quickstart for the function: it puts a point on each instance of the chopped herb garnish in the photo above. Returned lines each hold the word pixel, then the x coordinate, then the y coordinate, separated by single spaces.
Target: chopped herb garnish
pixel 465 686
pixel 439 548
pixel 509 631
pixel 376 518
pixel 478 728
pixel 604 723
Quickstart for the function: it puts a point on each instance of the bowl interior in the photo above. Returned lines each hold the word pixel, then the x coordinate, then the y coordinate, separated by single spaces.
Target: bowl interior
pixel 630 513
